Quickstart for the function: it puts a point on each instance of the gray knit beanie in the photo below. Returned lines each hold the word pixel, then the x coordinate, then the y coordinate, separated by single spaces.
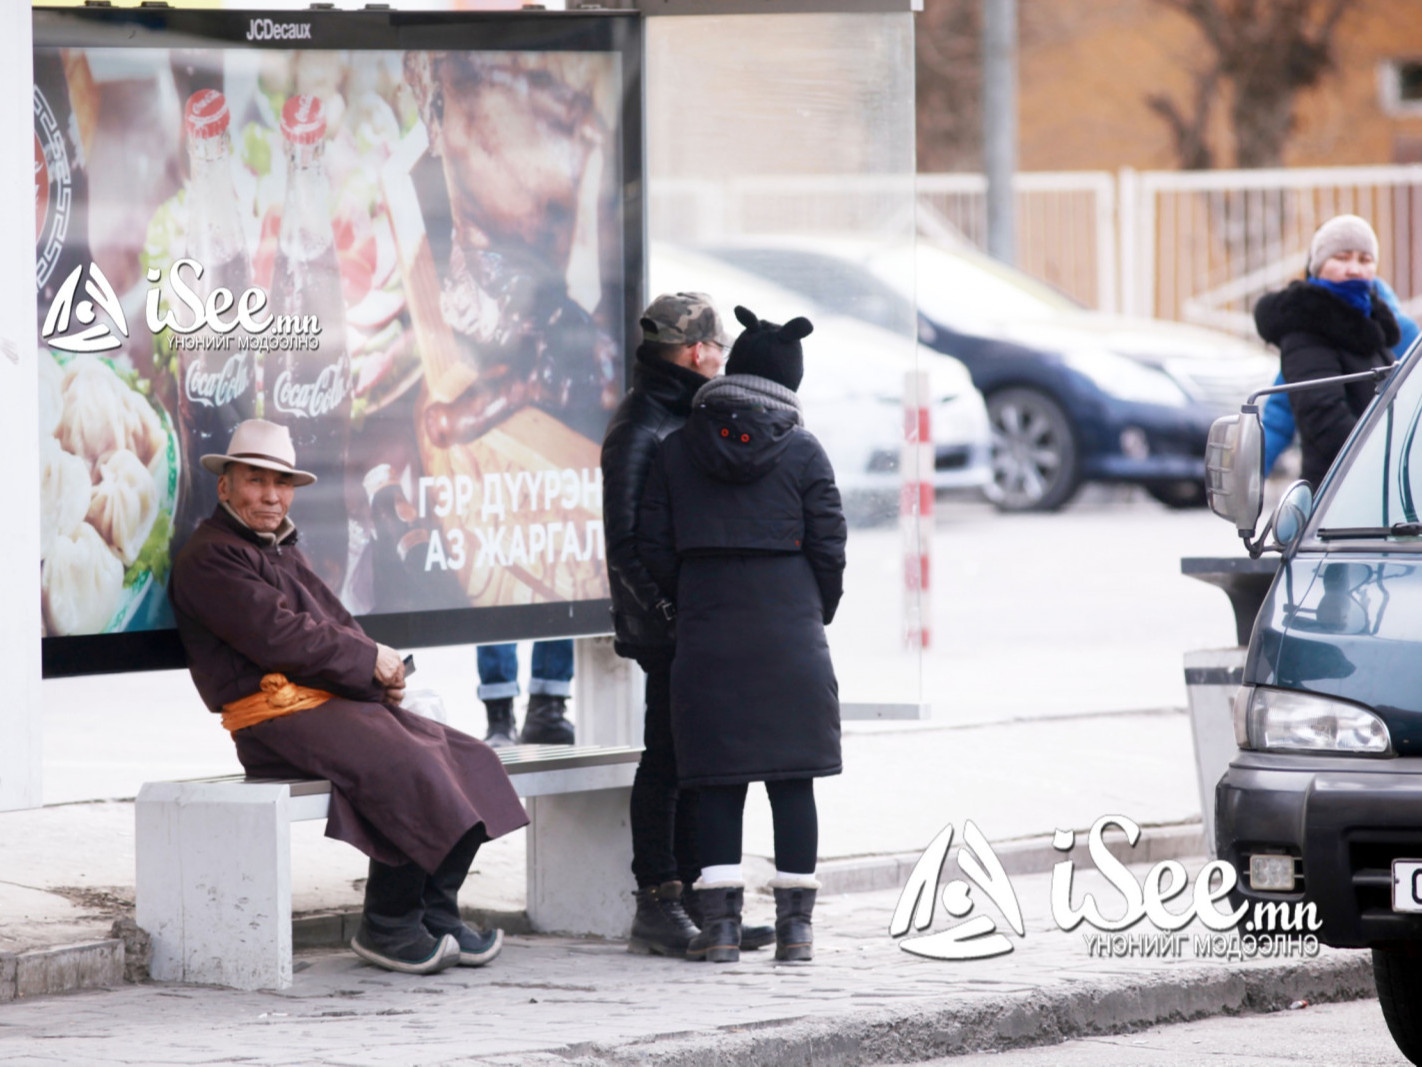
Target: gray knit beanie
pixel 1342 233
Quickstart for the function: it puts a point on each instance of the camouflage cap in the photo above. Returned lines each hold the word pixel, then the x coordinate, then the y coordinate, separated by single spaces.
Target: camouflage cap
pixel 683 319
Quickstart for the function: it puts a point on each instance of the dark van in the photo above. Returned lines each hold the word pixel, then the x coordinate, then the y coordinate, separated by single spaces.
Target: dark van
pixel 1323 803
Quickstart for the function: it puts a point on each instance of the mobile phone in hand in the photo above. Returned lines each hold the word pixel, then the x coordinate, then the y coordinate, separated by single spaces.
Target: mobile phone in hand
pixel 409 662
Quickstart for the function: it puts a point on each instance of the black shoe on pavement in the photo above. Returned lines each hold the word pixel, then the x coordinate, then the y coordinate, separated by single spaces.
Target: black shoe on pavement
pixel 660 926
pixel 392 934
pixel 752 937
pixel 441 903
pixel 502 732
pixel 544 723
pixel 794 932
pixel 720 938
pixel 408 955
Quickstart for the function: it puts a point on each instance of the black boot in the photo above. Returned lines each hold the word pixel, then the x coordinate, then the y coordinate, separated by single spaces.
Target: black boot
pixel 720 938
pixel 501 723
pixel 660 926
pixel 391 933
pixel 441 900
pixel 794 933
pixel 544 723
pixel 752 937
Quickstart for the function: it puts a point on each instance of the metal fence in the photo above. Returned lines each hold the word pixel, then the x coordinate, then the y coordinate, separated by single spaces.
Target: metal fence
pixel 1198 246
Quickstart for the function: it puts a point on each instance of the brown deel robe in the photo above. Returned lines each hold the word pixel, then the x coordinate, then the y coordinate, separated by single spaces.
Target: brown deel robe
pixel 402 786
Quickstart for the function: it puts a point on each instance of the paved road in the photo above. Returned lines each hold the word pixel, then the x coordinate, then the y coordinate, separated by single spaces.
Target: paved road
pixel 1352 1033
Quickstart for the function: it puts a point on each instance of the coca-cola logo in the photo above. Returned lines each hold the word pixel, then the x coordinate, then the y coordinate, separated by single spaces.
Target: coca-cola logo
pixel 218 388
pixel 315 398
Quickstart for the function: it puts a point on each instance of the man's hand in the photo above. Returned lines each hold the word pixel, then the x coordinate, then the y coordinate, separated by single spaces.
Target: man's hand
pixel 394 694
pixel 389 669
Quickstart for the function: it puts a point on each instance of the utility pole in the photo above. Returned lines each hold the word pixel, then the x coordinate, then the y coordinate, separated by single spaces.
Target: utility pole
pixel 1000 124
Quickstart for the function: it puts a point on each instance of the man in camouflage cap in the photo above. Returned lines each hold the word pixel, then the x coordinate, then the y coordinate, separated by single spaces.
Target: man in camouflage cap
pixel 683 345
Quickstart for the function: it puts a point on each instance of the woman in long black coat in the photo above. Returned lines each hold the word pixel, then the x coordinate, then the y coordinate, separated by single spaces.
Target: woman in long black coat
pixel 1331 323
pixel 742 529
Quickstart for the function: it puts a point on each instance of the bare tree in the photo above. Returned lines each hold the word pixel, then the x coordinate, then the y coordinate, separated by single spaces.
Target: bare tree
pixel 1267 50
pixel 949 75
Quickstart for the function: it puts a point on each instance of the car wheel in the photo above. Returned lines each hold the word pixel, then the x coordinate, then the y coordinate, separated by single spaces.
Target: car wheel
pixel 1180 495
pixel 1034 458
pixel 1397 970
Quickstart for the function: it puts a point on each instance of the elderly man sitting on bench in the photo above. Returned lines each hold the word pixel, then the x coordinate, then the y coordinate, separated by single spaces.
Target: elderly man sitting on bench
pixel 306 694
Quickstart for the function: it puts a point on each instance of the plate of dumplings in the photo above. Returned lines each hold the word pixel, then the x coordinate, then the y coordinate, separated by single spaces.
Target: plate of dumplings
pixel 108 484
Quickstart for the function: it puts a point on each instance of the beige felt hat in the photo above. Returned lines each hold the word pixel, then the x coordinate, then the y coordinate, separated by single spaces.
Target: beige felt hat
pixel 259 443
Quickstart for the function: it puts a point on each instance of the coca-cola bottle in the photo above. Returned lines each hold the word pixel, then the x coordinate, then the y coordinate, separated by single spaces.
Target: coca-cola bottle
pixel 217 381
pixel 306 378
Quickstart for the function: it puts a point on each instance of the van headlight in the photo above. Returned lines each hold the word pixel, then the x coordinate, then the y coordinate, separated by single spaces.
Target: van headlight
pixel 1286 720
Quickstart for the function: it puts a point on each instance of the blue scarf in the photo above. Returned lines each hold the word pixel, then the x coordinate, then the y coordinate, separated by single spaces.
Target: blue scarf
pixel 1356 293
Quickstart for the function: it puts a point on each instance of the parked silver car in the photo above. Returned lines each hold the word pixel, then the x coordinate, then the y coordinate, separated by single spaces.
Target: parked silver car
pixel 854 385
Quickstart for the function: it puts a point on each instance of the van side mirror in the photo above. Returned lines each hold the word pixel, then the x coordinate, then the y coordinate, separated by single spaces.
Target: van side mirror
pixel 1234 469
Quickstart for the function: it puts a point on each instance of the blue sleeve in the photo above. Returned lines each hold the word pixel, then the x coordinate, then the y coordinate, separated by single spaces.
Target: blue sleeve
pixel 1405 325
pixel 1278 426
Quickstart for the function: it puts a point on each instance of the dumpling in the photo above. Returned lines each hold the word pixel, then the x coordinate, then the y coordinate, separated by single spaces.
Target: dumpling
pixel 81 583
pixel 124 504
pixel 51 394
pixel 102 415
pixel 64 493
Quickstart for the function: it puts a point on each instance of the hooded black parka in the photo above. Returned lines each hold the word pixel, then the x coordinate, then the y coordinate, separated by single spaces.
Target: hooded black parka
pixel 741 526
pixel 1320 335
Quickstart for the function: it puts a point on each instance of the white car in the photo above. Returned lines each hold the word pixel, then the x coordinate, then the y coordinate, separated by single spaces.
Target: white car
pixel 854 385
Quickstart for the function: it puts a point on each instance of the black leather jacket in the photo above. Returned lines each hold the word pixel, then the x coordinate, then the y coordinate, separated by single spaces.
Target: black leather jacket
pixel 658 403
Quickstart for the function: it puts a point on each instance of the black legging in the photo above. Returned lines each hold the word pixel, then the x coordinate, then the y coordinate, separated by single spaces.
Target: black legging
pixel 792 811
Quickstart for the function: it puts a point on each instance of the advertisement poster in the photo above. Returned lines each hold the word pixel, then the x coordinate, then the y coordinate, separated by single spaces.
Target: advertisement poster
pixel 419 259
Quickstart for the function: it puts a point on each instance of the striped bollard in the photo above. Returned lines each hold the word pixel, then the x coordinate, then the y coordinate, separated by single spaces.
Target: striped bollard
pixel 916 509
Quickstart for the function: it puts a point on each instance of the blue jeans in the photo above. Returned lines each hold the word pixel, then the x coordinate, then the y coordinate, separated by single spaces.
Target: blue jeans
pixel 552 670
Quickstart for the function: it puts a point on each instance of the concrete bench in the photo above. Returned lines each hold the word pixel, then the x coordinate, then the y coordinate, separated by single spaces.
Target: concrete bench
pixel 213 885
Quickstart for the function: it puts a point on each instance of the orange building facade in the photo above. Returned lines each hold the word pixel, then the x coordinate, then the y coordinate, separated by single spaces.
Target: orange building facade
pixel 1086 69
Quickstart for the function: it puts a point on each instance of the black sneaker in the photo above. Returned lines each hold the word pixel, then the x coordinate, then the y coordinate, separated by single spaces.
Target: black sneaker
pixel 544 724
pixel 478 947
pixel 443 955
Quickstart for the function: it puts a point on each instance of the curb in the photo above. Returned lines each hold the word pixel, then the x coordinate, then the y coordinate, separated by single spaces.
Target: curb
pixel 63 969
pixel 1033 855
pixel 994 1023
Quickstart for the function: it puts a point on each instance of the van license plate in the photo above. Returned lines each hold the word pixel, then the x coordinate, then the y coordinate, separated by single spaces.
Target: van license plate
pixel 1407 885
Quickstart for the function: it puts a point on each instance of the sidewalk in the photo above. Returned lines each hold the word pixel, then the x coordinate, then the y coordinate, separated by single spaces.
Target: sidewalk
pixel 561 1000
pixel 68 873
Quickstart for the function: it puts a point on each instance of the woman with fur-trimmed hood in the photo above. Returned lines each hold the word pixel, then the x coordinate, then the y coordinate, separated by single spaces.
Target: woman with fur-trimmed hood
pixel 1331 323
pixel 741 528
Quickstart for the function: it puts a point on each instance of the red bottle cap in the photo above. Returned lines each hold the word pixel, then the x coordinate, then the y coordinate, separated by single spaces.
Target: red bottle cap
pixel 303 120
pixel 206 114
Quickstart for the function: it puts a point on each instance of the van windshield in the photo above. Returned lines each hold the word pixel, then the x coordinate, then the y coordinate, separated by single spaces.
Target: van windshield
pixel 1377 493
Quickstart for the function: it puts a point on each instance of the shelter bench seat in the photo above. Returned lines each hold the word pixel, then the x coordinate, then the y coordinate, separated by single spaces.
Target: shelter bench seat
pixel 213 886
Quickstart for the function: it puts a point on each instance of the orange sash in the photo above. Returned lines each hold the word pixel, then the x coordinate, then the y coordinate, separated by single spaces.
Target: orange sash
pixel 277 697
